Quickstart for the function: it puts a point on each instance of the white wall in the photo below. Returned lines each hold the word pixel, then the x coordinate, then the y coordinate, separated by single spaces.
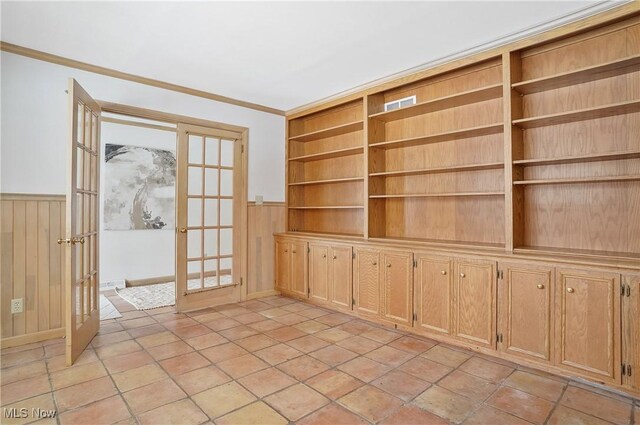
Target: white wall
pixel 33 144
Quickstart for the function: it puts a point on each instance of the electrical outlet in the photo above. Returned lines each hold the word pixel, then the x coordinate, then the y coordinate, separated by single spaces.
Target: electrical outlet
pixel 16 306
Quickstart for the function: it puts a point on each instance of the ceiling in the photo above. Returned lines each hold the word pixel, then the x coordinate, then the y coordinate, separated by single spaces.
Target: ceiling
pixel 278 54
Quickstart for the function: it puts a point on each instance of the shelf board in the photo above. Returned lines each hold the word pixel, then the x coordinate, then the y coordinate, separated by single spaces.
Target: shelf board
pixel 465 133
pixel 329 132
pixel 621 108
pixel 579 76
pixel 436 195
pixel 329 181
pixel 544 250
pixel 329 207
pixel 441 242
pixel 328 155
pixel 447 169
pixel 580 158
pixel 458 99
pixel 325 234
pixel 603 179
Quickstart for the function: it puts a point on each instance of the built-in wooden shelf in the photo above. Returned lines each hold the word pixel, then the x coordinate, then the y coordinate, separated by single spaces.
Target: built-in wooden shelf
pixel 575 253
pixel 329 181
pixel 440 242
pixel 591 73
pixel 326 234
pixel 458 99
pixel 329 132
pixel 329 154
pixel 465 133
pixel 436 195
pixel 621 108
pixel 329 207
pixel 434 170
pixel 603 179
pixel 579 158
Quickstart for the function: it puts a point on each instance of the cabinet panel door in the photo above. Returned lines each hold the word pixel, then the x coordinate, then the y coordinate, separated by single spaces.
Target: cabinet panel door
pixel 341 277
pixel 433 287
pixel 631 330
pixel 397 287
pixel 588 323
pixel 298 268
pixel 367 281
pixel 475 302
pixel 319 272
pixel 526 312
pixel 283 266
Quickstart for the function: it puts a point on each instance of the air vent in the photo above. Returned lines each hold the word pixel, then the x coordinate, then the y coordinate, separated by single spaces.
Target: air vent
pixel 400 103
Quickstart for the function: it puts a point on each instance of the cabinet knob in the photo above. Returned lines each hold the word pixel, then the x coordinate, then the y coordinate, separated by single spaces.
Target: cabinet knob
pixel 286 250
pixel 462 275
pixel 183 230
pixel 540 286
pixel 443 272
pixel 293 252
pixel 375 263
pixel 335 258
pixel 324 255
pixel 570 290
pixel 388 265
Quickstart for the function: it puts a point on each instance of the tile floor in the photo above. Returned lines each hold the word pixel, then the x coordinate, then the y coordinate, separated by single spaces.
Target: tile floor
pixel 279 361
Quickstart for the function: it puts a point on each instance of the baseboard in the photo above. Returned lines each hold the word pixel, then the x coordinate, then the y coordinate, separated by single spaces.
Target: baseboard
pixel 14 341
pixel 150 280
pixel 262 294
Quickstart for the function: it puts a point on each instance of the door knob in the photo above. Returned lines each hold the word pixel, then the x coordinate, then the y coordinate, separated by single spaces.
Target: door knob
pixel 443 272
pixel 570 290
pixel 375 263
pixel 67 241
pixel 77 240
pixel 462 275
pixel 540 286
pixel 335 258
pixel 324 255
pixel 183 230
pixel 388 265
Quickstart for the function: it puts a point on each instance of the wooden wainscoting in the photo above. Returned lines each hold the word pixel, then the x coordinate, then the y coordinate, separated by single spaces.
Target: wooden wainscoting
pixel 32 267
pixel 263 220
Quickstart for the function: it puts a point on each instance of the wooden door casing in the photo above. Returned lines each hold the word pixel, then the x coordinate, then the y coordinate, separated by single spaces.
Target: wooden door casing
pixel 525 295
pixel 298 281
pixel 397 287
pixel 433 288
pixel 587 311
pixel 283 265
pixel 367 281
pixel 341 277
pixel 319 275
pixel 631 331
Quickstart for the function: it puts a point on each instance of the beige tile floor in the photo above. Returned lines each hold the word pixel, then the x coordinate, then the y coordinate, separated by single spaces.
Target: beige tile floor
pixel 278 361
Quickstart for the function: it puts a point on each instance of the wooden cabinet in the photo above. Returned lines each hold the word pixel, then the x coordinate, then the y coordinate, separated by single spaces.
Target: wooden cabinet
pixel 283 266
pixel 291 266
pixel 433 291
pixel 366 281
pixel 631 331
pixel 525 309
pixel 330 274
pixel 588 323
pixel 474 307
pixel 397 287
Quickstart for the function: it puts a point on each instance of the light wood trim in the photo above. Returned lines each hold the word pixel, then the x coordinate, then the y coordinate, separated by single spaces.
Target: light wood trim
pixel 262 294
pixel 265 203
pixel 263 221
pixel 139 124
pixel 464 133
pixel 31 197
pixel 60 60
pixel 579 158
pixel 149 280
pixel 328 132
pixel 15 341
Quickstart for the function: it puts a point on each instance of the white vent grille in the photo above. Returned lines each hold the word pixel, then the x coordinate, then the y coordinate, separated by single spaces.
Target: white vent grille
pixel 400 103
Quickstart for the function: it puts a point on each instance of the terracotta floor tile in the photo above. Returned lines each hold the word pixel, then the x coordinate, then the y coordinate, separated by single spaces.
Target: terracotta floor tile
pixel 117 349
pixel 221 324
pixel 486 415
pixel 284 334
pixel 359 345
pixel 184 363
pixel 136 314
pixel 313 313
pixel 256 413
pixel 425 369
pixel 333 414
pixel 265 325
pixel 381 335
pixel 295 307
pixel 201 379
pixel 138 377
pixel 207 340
pixel 311 326
pixel 26 388
pixel 256 305
pixel 446 356
pixel 20 372
pixel 167 351
pixel 333 335
pixel 364 369
pixel 277 354
pixel 127 361
pixel 59 363
pixel 106 328
pixel 156 339
pixel 486 369
pixel 146 330
pixel 153 395
pixel 256 342
pixel 77 374
pixel 107 411
pixel 389 356
pixel 238 332
pixel 412 345
pixel 223 399
pixel 445 404
pixel 208 317
pixel 249 318
pixel 333 355
pixel 526 406
pixel 470 386
pixel 27 347
pixel 334 384
pixel 266 382
pixel 55 350
pixel 242 366
pixel 278 300
pixel 136 323
pixel 85 393
pixel 308 343
pixel 44 402
pixel 402 385
pixel 335 319
pixel 597 405
pixel 179 322
pixel 232 310
pixel 546 388
pixel 192 331
pixel 274 312
pixel 356 327
pixel 296 402
pixel 108 339
pixel 412 415
pixel 566 416
pixel 183 412
pixel 371 403
pixel 303 367
pixel 22 357
pixel 290 319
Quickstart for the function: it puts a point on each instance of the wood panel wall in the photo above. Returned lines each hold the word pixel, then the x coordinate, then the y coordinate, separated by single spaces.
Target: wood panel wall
pixel 32 267
pixel 263 220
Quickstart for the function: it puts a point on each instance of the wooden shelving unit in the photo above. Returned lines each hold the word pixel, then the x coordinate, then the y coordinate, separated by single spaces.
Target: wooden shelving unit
pixel 465 133
pixel 327 181
pixel 437 195
pixel 579 180
pixel 328 132
pixel 445 169
pixel 337 153
pixel 610 156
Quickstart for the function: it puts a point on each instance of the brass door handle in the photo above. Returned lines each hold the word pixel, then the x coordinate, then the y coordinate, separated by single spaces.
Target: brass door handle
pixel 67 241
pixel 183 230
pixel 462 275
pixel 570 290
pixel 77 240
pixel 540 286
pixel 443 272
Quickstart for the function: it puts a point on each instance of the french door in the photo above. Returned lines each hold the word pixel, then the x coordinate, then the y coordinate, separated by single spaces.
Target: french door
pixel 208 227
pixel 82 268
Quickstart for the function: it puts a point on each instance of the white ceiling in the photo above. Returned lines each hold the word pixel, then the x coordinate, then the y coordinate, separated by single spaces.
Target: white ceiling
pixel 279 54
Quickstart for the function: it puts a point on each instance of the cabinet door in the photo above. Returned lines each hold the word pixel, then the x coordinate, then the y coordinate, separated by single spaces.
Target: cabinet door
pixel 588 334
pixel 525 309
pixel 433 283
pixel 299 268
pixel 366 281
pixel 341 277
pixel 283 265
pixel 319 272
pixel 631 331
pixel 397 287
pixel 475 302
